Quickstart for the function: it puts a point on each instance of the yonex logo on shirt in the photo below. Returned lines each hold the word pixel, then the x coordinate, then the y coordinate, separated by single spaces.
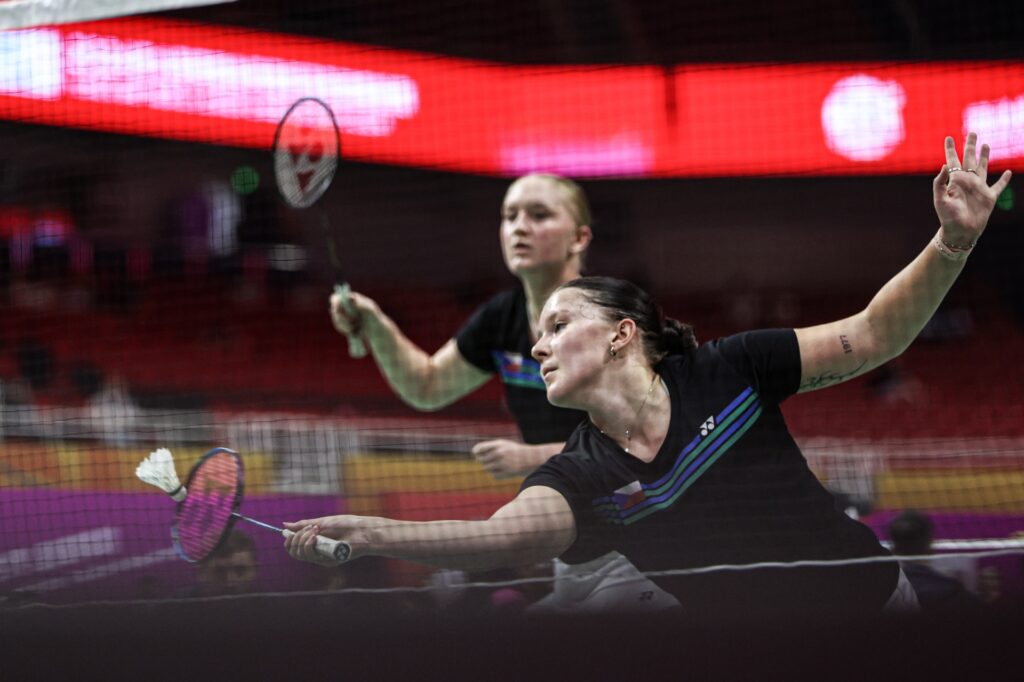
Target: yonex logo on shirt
pixel 708 426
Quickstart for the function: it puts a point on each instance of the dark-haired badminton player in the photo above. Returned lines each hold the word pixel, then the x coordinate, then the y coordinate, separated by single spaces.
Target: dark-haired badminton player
pixel 545 231
pixel 685 459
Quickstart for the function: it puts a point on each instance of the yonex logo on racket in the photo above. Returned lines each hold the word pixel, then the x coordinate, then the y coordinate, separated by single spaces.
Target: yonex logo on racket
pixel 305 157
pixel 306 151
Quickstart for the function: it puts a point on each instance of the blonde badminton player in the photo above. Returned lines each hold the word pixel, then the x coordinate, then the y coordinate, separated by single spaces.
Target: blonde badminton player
pixel 545 231
pixel 685 460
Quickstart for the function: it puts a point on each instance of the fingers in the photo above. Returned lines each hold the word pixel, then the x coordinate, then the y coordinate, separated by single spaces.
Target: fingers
pixel 940 182
pixel 301 544
pixel 983 162
pixel 490 461
pixel 491 457
pixel 345 322
pixel 1002 182
pixel 952 161
pixel 298 525
pixel 489 451
pixel 970 156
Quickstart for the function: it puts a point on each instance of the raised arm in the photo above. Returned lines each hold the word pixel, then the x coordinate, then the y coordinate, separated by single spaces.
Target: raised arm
pixel 425 382
pixel 838 351
pixel 537 525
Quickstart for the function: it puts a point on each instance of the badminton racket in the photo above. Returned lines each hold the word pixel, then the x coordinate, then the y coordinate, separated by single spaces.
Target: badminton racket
pixel 307 148
pixel 208 503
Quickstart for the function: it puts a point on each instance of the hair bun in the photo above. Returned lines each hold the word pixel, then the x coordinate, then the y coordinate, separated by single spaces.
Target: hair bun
pixel 676 337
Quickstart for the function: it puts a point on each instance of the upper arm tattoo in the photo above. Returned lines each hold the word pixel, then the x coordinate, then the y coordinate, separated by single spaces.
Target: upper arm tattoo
pixel 830 377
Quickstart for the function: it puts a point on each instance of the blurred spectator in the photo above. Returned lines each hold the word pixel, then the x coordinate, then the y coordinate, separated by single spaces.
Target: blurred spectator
pixel 110 406
pixel 35 363
pixel 230 569
pixel 362 588
pixel 911 534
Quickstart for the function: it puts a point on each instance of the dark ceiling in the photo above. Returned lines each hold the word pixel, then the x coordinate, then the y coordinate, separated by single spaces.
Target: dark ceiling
pixel 650 31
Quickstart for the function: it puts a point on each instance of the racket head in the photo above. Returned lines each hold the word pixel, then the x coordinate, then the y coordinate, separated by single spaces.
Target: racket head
pixel 202 520
pixel 306 150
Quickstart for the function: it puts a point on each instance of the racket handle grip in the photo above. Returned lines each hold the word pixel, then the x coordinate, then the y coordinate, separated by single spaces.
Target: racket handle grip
pixel 337 551
pixel 356 347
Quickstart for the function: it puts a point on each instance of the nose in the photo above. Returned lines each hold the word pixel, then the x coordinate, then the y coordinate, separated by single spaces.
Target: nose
pixel 518 223
pixel 540 349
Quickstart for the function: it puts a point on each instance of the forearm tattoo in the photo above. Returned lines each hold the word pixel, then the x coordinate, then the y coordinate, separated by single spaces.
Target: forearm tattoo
pixel 847 348
pixel 829 377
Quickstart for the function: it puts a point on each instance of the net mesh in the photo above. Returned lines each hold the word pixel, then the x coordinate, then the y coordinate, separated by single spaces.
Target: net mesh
pixel 156 292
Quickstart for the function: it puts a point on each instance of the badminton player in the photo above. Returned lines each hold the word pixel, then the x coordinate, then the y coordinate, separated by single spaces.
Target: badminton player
pixel 545 232
pixel 685 459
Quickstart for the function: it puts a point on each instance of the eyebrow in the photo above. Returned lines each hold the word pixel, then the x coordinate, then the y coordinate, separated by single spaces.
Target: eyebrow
pixel 529 204
pixel 552 315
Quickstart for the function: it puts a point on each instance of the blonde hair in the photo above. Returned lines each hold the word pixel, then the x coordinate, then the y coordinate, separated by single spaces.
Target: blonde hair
pixel 575 197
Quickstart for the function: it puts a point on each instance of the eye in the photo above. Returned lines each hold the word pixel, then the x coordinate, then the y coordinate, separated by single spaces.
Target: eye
pixel 539 214
pixel 559 326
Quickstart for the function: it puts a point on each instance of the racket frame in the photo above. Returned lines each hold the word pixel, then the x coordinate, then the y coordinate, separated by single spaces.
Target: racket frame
pixel 235 503
pixel 356 346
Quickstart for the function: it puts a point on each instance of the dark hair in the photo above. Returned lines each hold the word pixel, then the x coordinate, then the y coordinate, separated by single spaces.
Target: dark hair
pixel 911 533
pixel 236 541
pixel 622 299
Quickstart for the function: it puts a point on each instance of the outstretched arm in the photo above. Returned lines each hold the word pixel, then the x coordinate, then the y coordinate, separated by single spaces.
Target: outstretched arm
pixel 425 382
pixel 838 351
pixel 537 525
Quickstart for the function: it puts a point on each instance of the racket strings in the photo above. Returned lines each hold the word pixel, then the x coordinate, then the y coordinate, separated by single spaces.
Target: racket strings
pixel 207 512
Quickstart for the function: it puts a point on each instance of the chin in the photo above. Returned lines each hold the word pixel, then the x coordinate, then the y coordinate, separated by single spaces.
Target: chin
pixel 523 266
pixel 556 398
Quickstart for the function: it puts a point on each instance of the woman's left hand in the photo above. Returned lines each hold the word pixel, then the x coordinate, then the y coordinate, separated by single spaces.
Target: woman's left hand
pixel 963 198
pixel 504 458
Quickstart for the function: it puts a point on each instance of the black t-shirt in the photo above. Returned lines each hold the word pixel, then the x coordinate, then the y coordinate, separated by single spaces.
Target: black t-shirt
pixel 497 339
pixel 728 486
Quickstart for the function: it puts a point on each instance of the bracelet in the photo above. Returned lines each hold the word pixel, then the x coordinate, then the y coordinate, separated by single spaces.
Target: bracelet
pixel 951 251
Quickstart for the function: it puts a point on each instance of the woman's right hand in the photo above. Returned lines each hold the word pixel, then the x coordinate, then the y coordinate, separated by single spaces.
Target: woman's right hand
pixel 351 320
pixel 301 543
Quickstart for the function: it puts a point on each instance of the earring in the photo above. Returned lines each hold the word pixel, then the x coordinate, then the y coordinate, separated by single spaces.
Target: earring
pixel 611 351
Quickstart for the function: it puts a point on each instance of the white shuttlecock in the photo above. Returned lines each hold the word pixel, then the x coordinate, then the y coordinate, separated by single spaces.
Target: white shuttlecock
pixel 158 470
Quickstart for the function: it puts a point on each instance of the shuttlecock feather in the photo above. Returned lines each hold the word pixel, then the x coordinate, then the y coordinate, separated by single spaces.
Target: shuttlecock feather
pixel 158 470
